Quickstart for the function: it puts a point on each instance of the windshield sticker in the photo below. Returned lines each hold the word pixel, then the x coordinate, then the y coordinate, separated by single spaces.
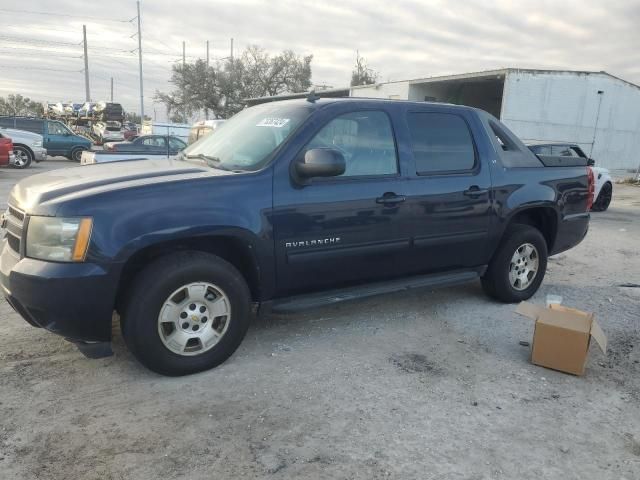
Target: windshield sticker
pixel 273 122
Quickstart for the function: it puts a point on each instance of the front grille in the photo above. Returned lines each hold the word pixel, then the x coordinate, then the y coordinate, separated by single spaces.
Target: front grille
pixel 14 227
pixel 16 213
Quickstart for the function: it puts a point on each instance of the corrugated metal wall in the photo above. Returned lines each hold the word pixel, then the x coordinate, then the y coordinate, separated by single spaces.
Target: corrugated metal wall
pixel 563 106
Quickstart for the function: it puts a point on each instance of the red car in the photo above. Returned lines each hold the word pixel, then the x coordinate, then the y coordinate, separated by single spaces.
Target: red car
pixel 6 151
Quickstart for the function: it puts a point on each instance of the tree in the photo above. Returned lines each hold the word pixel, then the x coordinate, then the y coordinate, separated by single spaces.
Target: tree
pixel 362 74
pixel 222 88
pixel 19 105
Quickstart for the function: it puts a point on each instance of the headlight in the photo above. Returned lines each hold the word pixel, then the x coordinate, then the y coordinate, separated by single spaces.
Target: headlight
pixel 37 143
pixel 58 239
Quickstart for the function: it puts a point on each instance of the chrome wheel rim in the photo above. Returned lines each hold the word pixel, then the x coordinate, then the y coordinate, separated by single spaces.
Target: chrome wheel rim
pixel 194 318
pixel 524 266
pixel 21 158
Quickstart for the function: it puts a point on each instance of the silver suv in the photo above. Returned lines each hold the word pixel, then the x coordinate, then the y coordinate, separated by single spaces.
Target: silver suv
pixel 27 147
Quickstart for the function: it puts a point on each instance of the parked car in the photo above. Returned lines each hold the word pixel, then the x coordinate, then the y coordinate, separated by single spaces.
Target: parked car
pixel 152 144
pixel 57 138
pixel 110 131
pixel 291 205
pixel 130 131
pixel 565 151
pixel 6 151
pixel 203 128
pixel 27 147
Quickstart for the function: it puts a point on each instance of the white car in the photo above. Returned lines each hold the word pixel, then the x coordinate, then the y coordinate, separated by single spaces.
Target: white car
pixel 108 132
pixel 604 184
pixel 27 147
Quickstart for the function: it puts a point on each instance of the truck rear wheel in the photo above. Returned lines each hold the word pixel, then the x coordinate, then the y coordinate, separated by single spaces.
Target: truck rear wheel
pixel 186 313
pixel 518 266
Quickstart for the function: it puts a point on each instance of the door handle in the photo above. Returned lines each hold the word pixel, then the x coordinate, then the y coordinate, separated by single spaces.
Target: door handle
pixel 390 198
pixel 475 191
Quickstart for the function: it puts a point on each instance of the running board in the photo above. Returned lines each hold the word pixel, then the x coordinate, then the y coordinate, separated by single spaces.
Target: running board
pixel 313 300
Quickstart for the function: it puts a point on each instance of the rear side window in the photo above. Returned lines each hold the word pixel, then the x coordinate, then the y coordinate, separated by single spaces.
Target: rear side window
pixel 542 150
pixel 563 151
pixel 441 142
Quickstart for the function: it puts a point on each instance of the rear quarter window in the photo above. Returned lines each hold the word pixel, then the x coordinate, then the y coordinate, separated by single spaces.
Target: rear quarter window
pixel 510 150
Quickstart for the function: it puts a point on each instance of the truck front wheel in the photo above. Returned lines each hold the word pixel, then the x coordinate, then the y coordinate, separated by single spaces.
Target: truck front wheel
pixel 186 313
pixel 518 266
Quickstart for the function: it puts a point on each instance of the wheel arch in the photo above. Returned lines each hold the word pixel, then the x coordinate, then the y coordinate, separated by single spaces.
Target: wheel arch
pixel 543 218
pixel 26 147
pixel 233 249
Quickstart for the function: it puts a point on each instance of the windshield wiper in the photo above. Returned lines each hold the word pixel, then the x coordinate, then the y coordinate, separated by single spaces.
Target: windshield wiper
pixel 213 162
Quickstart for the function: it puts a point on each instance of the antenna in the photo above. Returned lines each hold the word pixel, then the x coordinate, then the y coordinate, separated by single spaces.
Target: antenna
pixel 312 97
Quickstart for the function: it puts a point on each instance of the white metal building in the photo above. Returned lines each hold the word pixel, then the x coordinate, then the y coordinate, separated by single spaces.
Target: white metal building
pixel 598 111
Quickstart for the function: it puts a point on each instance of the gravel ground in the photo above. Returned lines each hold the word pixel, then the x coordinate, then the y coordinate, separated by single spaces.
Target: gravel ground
pixel 424 385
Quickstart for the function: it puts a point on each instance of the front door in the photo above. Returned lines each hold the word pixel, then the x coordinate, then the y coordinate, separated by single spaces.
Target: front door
pixel 348 229
pixel 449 192
pixel 57 138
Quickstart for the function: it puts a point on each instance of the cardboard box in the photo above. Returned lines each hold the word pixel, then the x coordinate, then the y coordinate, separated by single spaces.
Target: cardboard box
pixel 562 336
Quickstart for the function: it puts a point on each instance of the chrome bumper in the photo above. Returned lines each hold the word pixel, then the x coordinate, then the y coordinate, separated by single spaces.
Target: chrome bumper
pixel 39 154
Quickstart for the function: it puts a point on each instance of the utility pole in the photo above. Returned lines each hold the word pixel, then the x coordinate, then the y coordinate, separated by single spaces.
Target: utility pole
pixel 140 62
pixel 183 53
pixel 86 64
pixel 231 56
pixel 111 89
pixel 207 53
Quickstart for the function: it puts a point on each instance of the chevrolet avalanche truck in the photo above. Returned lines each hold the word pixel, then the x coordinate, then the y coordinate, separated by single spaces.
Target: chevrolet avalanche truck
pixel 290 205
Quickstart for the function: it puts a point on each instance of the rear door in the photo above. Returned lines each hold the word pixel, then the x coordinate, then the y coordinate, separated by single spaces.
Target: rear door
pixel 449 191
pixel 347 229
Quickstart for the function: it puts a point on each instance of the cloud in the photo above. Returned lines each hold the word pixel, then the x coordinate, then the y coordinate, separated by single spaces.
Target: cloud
pixel 400 39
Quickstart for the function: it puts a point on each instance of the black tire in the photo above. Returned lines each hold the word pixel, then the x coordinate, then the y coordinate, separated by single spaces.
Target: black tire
pixel 604 198
pixel 152 288
pixel 26 154
pixel 76 154
pixel 495 281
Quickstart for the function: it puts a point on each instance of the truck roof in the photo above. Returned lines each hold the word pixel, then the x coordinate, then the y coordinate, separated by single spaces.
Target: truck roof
pixel 365 100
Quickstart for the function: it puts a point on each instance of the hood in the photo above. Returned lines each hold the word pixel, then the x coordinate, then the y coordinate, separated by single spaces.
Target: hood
pixel 21 134
pixel 40 193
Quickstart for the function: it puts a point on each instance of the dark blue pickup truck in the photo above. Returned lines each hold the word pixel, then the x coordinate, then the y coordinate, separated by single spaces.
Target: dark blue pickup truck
pixel 290 205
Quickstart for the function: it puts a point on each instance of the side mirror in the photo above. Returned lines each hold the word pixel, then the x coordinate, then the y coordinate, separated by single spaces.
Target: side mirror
pixel 320 162
pixel 591 162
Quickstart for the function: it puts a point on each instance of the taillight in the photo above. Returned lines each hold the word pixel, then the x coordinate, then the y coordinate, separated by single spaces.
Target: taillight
pixel 591 188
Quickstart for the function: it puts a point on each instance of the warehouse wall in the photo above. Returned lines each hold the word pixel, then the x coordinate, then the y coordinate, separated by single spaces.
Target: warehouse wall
pixel 394 90
pixel 562 106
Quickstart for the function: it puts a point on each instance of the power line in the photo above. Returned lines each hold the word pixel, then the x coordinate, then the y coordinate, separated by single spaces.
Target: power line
pixel 22 67
pixel 38 54
pixel 38 41
pixel 32 12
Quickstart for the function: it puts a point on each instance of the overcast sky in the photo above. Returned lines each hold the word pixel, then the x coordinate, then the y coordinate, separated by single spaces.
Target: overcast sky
pixel 41 55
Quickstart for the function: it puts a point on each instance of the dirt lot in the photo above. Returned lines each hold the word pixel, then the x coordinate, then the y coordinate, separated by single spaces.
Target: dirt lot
pixel 424 385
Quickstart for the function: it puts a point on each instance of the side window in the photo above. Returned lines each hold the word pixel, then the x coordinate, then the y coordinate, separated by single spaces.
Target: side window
pixel 542 150
pixel 176 143
pixel 441 142
pixel 366 141
pixel 154 141
pixel 54 128
pixel 562 151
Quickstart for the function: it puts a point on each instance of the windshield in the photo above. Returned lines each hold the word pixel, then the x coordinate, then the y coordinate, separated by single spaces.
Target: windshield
pixel 247 140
